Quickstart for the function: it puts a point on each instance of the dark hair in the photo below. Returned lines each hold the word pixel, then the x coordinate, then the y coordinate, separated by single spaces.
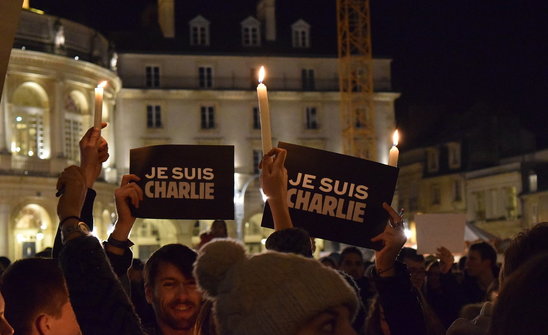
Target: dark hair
pixel 410 253
pixel 350 250
pixel 521 305
pixel 291 240
pixel 180 256
pixel 326 259
pixel 486 251
pixel 525 246
pixel 4 262
pixel 30 287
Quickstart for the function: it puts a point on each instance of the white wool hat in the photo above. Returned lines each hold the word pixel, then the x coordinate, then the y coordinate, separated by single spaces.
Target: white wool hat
pixel 271 293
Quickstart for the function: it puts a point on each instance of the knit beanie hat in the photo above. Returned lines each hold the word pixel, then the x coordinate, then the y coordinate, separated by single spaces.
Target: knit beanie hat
pixel 267 294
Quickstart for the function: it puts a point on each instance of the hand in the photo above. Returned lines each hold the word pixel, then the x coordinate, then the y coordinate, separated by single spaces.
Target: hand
pixel 73 186
pixel 274 184
pixel 393 239
pixel 128 193
pixel 274 174
pixel 446 259
pixel 93 152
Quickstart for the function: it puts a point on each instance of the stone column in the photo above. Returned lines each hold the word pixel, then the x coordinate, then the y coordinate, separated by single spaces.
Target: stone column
pixel 56 126
pixel 6 237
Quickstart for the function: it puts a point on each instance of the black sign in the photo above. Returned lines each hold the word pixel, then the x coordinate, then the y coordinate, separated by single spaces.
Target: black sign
pixel 336 197
pixel 185 181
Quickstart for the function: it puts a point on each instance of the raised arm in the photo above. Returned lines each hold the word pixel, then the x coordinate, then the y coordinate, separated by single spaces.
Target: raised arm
pixel 274 184
pixel 399 300
pixel 99 302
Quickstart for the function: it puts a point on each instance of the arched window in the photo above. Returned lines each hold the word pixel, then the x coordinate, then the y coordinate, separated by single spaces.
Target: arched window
pixel 32 230
pixel 300 34
pixel 76 107
pixel 199 31
pixel 251 32
pixel 29 119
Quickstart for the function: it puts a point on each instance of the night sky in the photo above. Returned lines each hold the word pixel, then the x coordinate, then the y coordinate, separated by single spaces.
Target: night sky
pixel 456 63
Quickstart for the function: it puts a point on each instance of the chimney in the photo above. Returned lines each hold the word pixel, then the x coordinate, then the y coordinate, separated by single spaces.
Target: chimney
pixel 266 12
pixel 166 17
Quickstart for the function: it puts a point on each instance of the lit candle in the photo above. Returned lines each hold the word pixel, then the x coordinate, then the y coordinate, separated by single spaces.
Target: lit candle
pixel 394 152
pixel 98 119
pixel 265 113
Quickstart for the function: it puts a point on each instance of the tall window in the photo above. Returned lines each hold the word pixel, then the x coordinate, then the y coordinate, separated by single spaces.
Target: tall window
pixel 307 78
pixel 362 118
pixel 436 195
pixel 205 76
pixel 251 33
pixel 432 160
pixel 256 118
pixel 454 155
pixel 300 34
pixel 207 117
pixel 457 190
pixel 152 76
pixel 311 118
pixel 199 31
pixel 28 118
pixel 154 116
pixel 257 156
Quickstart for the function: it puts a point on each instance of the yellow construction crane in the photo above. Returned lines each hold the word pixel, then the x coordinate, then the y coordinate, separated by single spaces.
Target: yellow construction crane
pixel 356 78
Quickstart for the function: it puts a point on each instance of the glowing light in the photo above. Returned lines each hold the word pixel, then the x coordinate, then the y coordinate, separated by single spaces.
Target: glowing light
pixel 18 149
pixel 40 236
pixel 20 238
pixel 43 226
pixel 31 153
pixel 23 48
pixel 76 58
pixel 408 233
pixel 261 74
pixel 263 241
pixel 102 84
pixel 18 119
pixel 396 137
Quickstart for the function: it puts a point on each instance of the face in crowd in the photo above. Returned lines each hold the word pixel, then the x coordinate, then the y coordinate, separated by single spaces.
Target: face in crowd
pixel 174 297
pixel 352 264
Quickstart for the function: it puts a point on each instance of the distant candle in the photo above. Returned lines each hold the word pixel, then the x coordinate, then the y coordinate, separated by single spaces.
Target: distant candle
pixel 98 118
pixel 394 152
pixel 262 95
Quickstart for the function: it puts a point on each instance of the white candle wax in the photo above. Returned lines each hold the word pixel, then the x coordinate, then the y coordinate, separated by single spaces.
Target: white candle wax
pixel 393 156
pixel 262 95
pixel 98 117
pixel 394 152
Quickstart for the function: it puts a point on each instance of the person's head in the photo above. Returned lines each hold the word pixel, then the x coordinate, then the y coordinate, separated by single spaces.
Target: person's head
pixel 482 258
pixel 525 246
pixel 415 265
pixel 294 240
pixel 37 299
pixel 5 327
pixel 522 303
pixel 433 276
pixel 273 293
pixel 170 287
pixel 351 262
pixel 218 228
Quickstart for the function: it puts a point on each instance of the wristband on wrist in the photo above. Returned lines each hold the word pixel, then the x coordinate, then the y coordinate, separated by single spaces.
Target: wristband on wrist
pixel 119 244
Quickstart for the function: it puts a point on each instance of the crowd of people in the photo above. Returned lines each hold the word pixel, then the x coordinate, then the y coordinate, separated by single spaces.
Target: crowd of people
pixel 89 287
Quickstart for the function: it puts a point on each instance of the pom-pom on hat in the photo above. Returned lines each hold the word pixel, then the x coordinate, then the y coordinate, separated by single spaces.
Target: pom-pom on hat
pixel 267 294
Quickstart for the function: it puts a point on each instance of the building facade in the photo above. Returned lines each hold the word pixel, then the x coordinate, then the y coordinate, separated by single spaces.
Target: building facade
pixel 46 107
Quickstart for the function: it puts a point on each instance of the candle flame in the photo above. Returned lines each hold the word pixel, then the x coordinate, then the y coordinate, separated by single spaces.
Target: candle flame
pixel 395 137
pixel 261 74
pixel 102 84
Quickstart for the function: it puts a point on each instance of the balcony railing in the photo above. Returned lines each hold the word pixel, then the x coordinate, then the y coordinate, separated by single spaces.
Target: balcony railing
pixel 236 83
pixel 38 32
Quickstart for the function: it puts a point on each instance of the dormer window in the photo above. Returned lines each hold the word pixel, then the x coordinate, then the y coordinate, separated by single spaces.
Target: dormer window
pixel 432 160
pixel 251 32
pixel 301 34
pixel 199 31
